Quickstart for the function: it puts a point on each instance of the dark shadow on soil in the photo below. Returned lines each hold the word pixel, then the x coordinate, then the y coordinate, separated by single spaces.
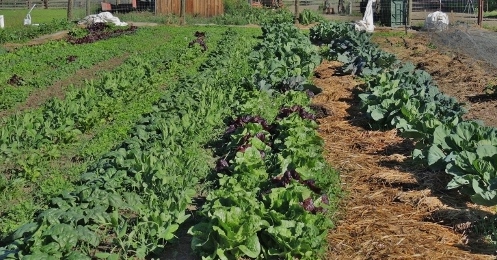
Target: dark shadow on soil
pixel 458 216
pixel 180 248
pixel 482 98
pixel 320 111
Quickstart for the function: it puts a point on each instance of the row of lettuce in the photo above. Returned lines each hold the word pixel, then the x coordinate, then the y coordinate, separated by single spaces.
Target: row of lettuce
pixel 396 95
pixel 273 193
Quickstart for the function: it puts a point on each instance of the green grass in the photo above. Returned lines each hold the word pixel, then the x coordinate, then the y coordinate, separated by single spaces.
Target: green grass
pixel 490 14
pixel 15 18
pixel 490 27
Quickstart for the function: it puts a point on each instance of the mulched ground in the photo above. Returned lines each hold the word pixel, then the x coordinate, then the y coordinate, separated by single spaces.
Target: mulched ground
pixel 393 208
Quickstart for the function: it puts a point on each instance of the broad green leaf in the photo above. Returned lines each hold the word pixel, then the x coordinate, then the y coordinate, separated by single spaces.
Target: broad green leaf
pixel 87 235
pixel 436 158
pixel 475 184
pixel 464 160
pixel 485 168
pixel 115 200
pixel 102 255
pixel 26 228
pixel 168 233
pixel 378 114
pixel 411 133
pixel 486 151
pixel 466 130
pixel 486 198
pixel 439 136
pixel 114 257
pixel 252 247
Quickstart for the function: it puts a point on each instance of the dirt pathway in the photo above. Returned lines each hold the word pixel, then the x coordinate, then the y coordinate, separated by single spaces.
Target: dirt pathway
pixel 393 209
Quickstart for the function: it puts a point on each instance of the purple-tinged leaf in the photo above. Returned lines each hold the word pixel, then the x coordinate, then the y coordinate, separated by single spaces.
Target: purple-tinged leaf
pixel 308 205
pixel 325 199
pixel 261 136
pixel 311 184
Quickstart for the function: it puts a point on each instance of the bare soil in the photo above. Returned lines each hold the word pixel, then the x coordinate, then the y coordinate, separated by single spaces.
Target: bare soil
pixel 455 73
pixel 393 209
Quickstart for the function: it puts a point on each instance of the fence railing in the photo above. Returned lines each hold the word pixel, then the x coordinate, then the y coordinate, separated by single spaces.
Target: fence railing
pixel 457 10
pixel 349 7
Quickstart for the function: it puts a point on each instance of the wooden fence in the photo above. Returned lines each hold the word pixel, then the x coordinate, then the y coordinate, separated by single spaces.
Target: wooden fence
pixel 193 7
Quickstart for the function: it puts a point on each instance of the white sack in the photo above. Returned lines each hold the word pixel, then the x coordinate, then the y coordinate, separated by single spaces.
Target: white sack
pixel 103 17
pixel 367 23
pixel 438 21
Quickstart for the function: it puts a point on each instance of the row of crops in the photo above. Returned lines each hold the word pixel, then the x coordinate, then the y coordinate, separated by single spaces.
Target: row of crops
pixel 270 190
pixel 39 66
pixel 235 131
pixel 89 121
pixel 396 95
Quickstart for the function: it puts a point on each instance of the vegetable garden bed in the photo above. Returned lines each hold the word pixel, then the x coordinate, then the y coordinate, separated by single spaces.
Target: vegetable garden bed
pixel 116 208
pixel 234 128
pixel 441 152
pixel 105 108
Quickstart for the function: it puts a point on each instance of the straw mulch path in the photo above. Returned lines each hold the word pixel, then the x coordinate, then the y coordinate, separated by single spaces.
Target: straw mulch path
pixel 392 209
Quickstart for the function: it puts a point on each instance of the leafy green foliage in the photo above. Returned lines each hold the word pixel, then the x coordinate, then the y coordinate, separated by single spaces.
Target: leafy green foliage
pixel 37 175
pixel 131 201
pixel 42 65
pixel 269 202
pixel 400 96
pixel 308 16
pixel 467 151
pixel 31 32
pixel 284 53
pixel 325 32
pixel 354 48
pixel 118 205
pixel 407 99
pixel 280 222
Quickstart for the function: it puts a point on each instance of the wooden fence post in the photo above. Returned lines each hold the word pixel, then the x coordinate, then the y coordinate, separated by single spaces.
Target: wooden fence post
pixel 69 9
pixel 480 12
pixel 183 10
pixel 296 19
pixel 88 7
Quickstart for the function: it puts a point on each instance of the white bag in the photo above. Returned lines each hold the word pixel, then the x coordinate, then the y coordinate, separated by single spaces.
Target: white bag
pixel 103 17
pixel 27 20
pixel 367 23
pixel 437 21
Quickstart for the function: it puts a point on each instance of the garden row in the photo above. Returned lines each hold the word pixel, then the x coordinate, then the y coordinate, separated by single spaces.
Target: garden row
pixel 133 199
pixel 274 189
pixel 89 121
pixel 35 67
pixel 396 95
